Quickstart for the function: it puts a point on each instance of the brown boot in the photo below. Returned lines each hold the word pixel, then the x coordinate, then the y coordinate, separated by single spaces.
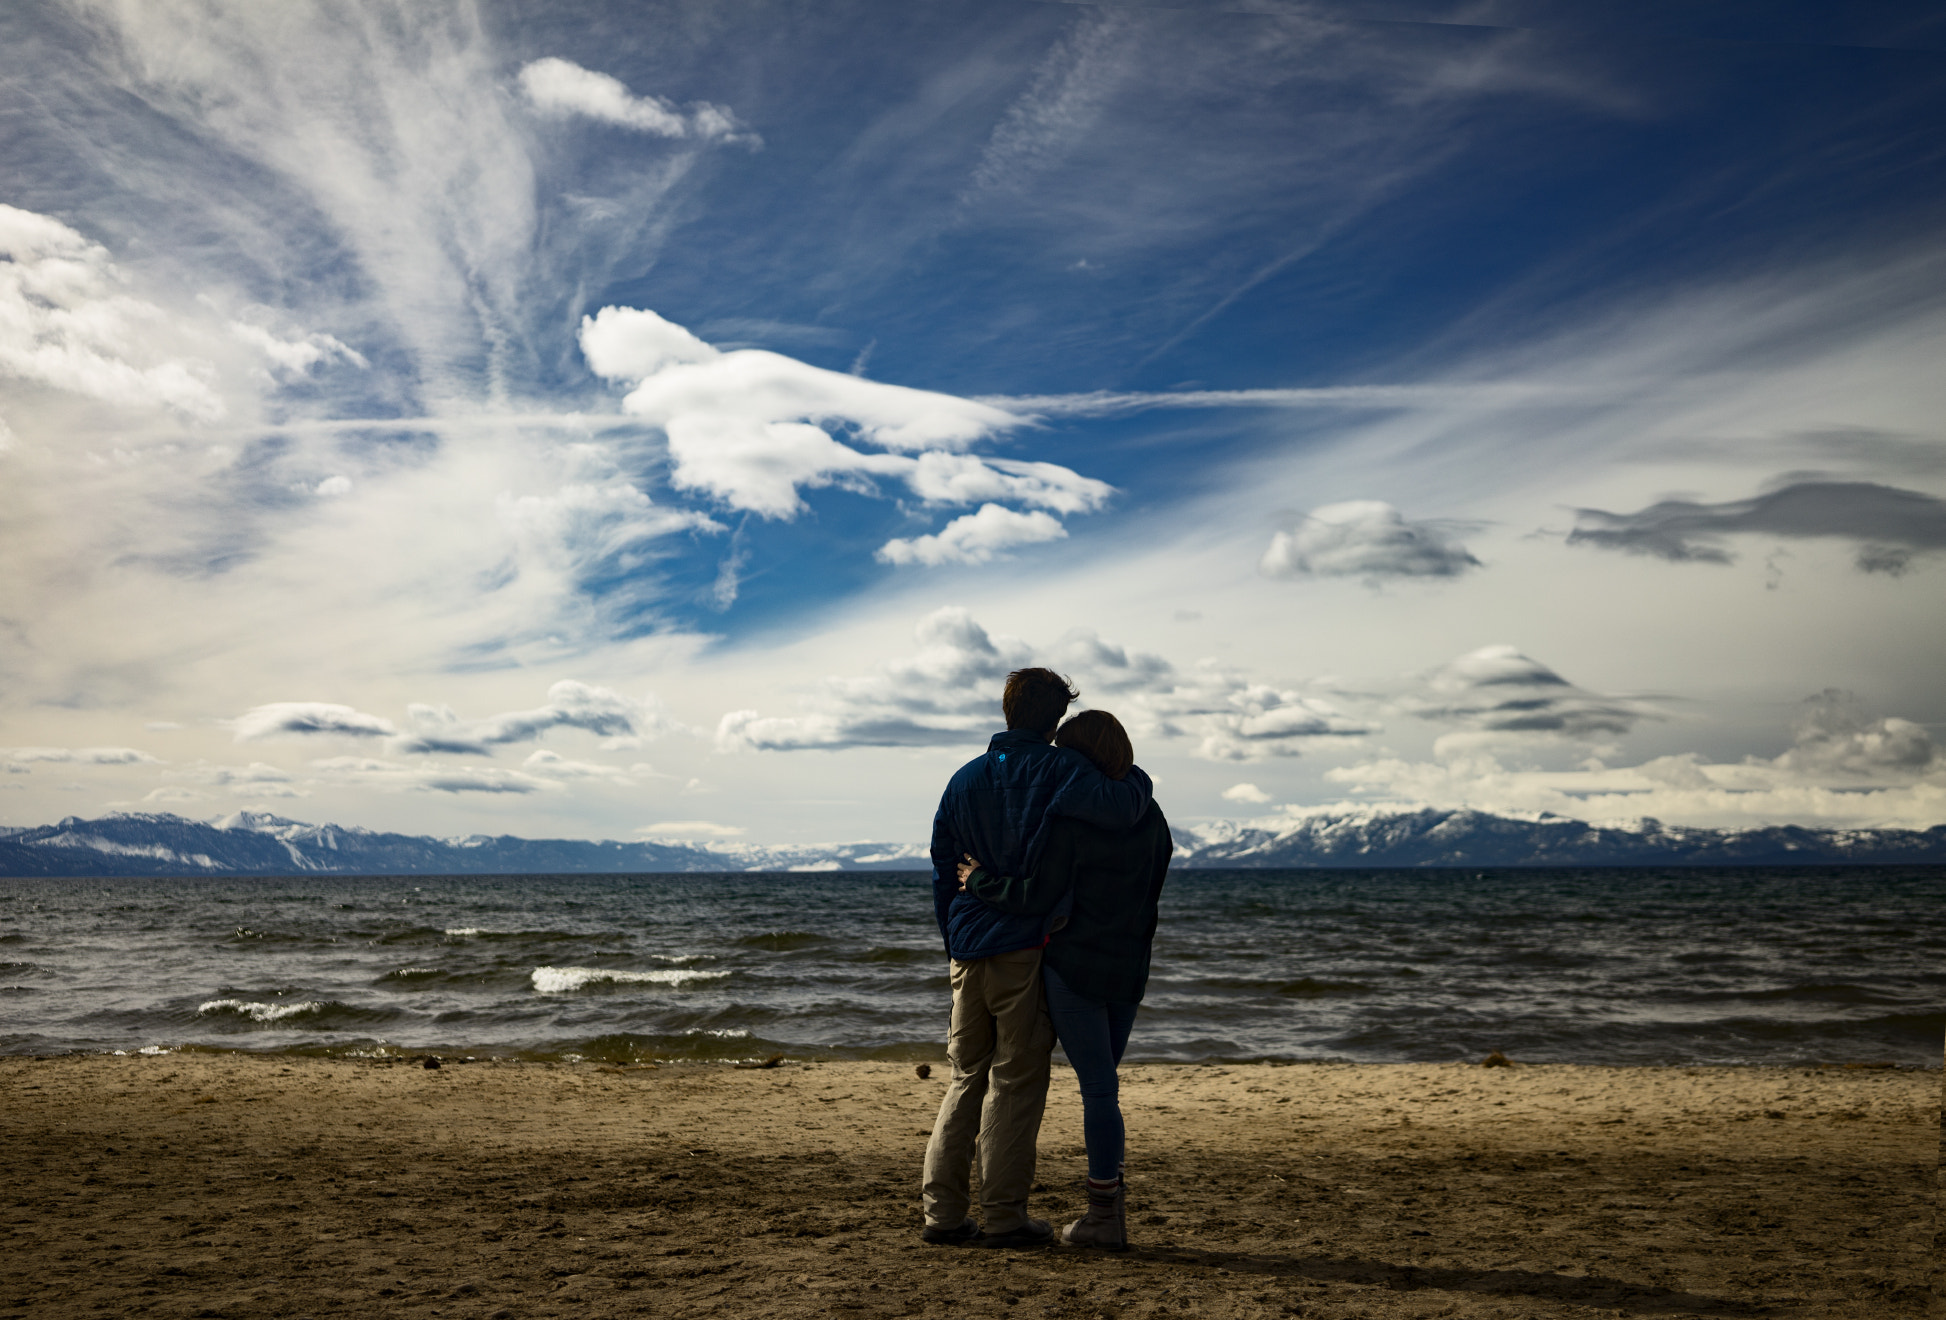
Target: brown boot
pixel 1106 1223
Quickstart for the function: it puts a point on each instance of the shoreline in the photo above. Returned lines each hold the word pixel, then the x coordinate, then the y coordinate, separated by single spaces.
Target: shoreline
pixel 245 1184
pixel 897 1055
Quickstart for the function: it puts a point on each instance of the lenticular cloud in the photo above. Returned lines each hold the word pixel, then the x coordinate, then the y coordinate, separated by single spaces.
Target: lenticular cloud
pixel 1364 538
pixel 753 429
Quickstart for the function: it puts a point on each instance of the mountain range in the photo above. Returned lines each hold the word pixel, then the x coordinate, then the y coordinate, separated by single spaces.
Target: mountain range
pixel 256 843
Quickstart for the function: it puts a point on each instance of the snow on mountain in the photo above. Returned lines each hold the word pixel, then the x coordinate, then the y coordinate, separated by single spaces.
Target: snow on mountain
pixel 257 843
pixel 1409 837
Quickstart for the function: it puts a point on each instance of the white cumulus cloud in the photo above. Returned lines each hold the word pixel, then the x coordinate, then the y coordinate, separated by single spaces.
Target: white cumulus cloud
pixel 752 429
pixel 976 538
pixel 947 693
pixel 67 321
pixel 1834 735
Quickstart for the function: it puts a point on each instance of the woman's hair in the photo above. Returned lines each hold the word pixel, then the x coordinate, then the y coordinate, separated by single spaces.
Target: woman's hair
pixel 1101 738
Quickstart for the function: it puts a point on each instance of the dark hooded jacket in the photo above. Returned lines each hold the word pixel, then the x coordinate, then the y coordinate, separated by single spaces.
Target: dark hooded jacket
pixel 997 807
pixel 1111 883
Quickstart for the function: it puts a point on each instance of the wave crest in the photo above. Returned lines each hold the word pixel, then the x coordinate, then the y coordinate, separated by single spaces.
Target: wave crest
pixel 261 1012
pixel 564 980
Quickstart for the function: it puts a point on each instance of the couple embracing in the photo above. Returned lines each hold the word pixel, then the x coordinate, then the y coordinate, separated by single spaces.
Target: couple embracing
pixel 1048 857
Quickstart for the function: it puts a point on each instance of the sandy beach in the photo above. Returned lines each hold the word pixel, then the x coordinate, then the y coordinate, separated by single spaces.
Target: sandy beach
pixel 263 1185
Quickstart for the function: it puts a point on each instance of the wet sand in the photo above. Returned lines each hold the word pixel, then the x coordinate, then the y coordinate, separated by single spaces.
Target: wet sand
pixel 242 1185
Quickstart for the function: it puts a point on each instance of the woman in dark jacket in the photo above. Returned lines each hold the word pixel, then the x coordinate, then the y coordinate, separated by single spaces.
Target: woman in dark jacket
pixel 1096 965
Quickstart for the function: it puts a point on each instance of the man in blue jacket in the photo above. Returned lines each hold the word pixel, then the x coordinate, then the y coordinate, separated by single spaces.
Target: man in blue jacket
pixel 996 808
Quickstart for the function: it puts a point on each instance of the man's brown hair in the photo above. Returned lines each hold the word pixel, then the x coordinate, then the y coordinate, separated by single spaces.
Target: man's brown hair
pixel 1036 699
pixel 1101 738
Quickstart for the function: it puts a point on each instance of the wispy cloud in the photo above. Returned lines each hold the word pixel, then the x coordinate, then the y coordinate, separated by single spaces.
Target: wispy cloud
pixel 395 777
pixel 80 756
pixel 555 86
pixel 1889 526
pixel 689 829
pixel 1449 396
pixel 1071 91
pixel 1843 768
pixel 258 779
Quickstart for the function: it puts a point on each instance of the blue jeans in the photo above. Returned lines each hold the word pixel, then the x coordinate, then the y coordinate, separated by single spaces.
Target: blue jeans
pixel 1094 1035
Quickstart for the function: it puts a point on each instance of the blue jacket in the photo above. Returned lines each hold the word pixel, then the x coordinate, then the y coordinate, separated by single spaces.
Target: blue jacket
pixel 997 807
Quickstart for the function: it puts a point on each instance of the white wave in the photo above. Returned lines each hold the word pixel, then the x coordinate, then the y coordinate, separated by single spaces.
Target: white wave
pixel 683 957
pixel 154 1049
pixel 560 980
pixel 261 1012
pixel 463 931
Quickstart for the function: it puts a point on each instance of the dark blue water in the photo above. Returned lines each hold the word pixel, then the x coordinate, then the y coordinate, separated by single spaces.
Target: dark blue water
pixel 1639 966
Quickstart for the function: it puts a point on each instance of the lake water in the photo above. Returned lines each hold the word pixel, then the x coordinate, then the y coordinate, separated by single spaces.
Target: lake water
pixel 1753 966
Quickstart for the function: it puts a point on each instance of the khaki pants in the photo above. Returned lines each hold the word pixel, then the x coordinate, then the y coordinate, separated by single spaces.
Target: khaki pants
pixel 999 1047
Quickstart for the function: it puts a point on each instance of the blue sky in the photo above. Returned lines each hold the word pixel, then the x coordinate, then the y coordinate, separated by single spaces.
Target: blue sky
pixel 673 419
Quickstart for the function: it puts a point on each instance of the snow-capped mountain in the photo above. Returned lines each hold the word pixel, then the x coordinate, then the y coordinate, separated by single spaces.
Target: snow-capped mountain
pixel 1436 837
pixel 255 843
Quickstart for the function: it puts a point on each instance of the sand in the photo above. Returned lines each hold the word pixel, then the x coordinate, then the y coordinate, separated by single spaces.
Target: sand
pixel 249 1185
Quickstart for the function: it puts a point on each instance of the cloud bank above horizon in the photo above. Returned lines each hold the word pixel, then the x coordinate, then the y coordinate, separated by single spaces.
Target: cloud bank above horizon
pixel 391 401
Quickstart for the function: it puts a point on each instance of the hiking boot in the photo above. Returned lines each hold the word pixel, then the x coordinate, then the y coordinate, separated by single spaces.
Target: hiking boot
pixel 1106 1223
pixel 1033 1233
pixel 957 1235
